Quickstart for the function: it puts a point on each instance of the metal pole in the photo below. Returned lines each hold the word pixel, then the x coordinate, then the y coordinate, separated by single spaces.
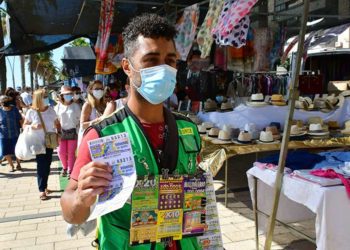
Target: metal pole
pixel 226 181
pixel 285 140
pixel 255 208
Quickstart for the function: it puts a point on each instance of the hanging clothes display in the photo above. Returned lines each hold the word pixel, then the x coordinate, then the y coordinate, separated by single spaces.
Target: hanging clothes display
pixel 204 37
pixel 244 85
pixel 233 24
pixel 186 28
pixel 104 31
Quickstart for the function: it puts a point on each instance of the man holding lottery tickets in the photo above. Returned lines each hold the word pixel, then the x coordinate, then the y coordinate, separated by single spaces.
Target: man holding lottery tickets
pixel 160 140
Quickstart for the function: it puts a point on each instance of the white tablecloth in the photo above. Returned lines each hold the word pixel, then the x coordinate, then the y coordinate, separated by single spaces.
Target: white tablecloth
pixel 330 204
pixel 263 116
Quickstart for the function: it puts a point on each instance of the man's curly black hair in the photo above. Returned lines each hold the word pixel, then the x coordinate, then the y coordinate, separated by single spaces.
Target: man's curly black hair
pixel 147 25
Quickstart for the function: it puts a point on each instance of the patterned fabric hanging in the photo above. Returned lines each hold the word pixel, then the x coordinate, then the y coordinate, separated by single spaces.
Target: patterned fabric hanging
pixel 104 31
pixel 233 24
pixel 204 37
pixel 186 28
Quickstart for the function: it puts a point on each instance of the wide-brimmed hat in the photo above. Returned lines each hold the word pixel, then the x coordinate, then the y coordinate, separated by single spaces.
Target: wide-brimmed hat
pixel 210 105
pixel 256 100
pixel 66 90
pixel 202 130
pixel 317 129
pixel 252 129
pixel 278 100
pixel 213 132
pixel 244 137
pixel 345 93
pixel 226 106
pixel 296 130
pixel 266 137
pixel 224 137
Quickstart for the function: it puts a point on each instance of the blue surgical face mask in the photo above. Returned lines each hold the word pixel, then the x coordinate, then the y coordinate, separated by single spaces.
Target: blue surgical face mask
pixel 219 98
pixel 46 101
pixel 67 98
pixel 157 83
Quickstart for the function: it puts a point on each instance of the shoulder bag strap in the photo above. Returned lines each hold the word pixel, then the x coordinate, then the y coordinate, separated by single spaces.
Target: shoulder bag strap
pixel 42 122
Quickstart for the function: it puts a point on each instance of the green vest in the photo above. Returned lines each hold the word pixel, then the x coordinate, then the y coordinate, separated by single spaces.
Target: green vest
pixel 180 152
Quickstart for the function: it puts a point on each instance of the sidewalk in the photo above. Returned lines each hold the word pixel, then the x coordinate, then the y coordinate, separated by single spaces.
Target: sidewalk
pixel 26 222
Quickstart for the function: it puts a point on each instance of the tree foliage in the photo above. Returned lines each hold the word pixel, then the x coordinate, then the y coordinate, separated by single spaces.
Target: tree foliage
pixel 80 42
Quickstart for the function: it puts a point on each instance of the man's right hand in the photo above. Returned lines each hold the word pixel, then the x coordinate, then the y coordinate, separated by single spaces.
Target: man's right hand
pixel 93 180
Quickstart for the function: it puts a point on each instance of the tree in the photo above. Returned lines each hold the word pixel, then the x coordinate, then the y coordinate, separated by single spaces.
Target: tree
pixel 3 79
pixel 22 59
pixel 41 62
pixel 79 42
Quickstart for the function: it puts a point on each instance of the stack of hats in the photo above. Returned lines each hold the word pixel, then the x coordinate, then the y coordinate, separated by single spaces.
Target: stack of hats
pixel 256 100
pixel 278 100
pixel 210 105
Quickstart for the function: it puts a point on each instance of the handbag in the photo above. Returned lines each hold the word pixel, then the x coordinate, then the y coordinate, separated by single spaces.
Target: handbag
pixel 51 138
pixel 69 134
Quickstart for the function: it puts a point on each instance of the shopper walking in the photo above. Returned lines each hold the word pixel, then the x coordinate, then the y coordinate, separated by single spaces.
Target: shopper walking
pixel 68 113
pixel 10 124
pixel 48 114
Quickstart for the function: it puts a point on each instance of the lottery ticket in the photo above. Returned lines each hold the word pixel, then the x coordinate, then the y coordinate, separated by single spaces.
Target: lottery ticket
pixel 144 211
pixel 117 152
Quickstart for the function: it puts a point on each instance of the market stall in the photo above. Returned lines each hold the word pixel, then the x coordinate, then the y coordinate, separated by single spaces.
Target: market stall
pixel 302 200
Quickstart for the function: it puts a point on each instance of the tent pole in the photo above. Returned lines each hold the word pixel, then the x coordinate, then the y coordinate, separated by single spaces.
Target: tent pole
pixel 286 133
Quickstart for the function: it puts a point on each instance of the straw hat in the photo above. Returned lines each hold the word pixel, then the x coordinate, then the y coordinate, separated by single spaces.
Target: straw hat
pixel 278 100
pixel 256 100
pixel 266 137
pixel 275 133
pixel 295 130
pixel 210 105
pixel 244 137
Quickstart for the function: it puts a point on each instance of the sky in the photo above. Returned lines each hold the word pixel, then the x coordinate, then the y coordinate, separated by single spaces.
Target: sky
pixel 14 60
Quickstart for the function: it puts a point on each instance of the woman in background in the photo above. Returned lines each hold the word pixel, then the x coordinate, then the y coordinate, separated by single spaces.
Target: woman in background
pixel 10 124
pixel 93 108
pixel 41 104
pixel 68 113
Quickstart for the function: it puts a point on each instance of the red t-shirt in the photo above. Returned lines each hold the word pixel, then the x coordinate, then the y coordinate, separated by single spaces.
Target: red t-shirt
pixel 155 133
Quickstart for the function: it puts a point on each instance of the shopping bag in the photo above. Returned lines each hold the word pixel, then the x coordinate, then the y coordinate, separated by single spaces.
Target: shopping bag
pixel 29 145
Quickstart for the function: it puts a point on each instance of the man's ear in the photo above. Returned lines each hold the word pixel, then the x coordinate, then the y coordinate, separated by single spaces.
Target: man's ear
pixel 126 66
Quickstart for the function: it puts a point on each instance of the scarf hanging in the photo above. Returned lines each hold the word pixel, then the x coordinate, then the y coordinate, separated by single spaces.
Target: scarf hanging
pixel 104 31
pixel 186 28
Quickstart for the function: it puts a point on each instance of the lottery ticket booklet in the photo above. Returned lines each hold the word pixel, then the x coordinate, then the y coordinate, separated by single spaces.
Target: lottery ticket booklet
pixel 117 152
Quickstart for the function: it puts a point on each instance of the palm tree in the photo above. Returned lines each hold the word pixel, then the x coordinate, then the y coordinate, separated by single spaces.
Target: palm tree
pixel 40 64
pixel 3 79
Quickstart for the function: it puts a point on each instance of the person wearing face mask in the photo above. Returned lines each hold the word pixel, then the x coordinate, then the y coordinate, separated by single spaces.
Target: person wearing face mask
pixel 10 124
pixel 156 134
pixel 77 97
pixel 41 103
pixel 68 113
pixel 119 103
pixel 93 108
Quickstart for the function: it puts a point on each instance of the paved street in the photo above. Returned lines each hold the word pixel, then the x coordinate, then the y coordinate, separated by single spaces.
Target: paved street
pixel 26 222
